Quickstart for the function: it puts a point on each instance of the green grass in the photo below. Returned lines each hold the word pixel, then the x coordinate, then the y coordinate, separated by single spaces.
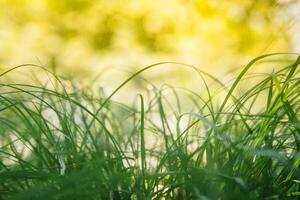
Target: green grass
pixel 238 139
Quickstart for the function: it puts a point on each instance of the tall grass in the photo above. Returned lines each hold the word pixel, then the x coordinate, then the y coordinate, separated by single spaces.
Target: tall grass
pixel 238 139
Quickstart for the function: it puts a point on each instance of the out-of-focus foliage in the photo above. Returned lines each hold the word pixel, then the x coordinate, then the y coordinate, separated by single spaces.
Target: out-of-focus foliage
pixel 88 35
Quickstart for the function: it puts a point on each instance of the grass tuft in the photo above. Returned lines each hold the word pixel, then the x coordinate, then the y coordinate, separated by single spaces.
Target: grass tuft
pixel 230 140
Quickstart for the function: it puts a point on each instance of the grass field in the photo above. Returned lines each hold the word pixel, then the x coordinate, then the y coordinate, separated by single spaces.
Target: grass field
pixel 238 139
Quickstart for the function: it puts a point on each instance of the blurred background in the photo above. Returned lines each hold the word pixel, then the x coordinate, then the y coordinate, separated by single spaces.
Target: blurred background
pixel 107 39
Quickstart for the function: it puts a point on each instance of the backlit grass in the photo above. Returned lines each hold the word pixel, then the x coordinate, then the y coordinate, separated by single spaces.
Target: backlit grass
pixel 238 139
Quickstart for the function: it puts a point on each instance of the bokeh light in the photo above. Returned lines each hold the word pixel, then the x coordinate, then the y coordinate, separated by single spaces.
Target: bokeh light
pixel 86 36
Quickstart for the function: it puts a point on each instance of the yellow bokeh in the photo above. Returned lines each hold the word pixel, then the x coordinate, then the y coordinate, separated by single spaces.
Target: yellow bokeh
pixel 86 36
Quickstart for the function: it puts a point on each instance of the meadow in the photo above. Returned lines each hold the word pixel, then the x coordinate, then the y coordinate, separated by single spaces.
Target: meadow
pixel 237 139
